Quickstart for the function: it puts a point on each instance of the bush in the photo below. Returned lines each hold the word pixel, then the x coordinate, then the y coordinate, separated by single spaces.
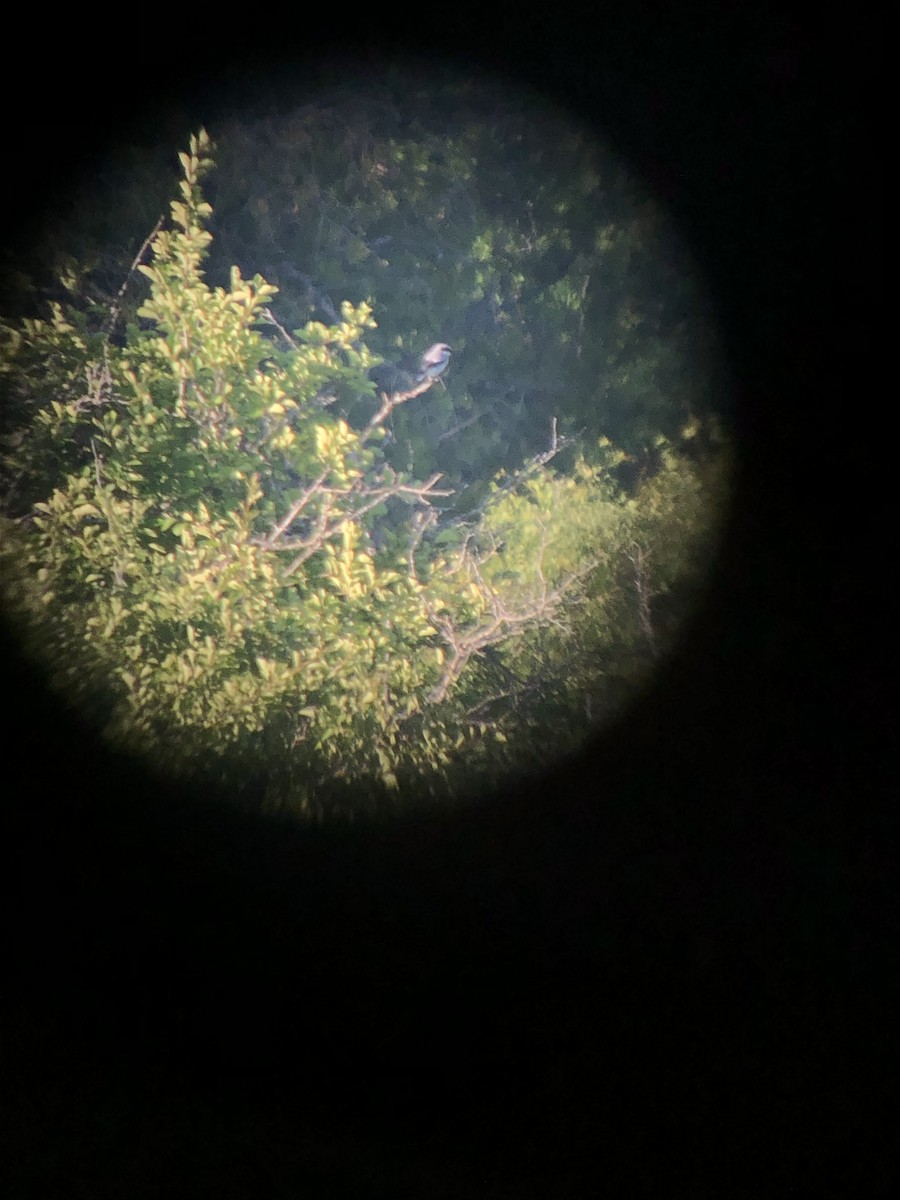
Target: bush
pixel 223 568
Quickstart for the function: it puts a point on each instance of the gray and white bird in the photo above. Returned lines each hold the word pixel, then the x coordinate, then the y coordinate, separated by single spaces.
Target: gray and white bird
pixel 433 362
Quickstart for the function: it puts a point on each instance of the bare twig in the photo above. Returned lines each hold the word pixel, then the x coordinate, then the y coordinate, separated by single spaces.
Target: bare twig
pixel 504 619
pixel 270 317
pixel 117 302
pixel 557 445
pixel 98 462
pixel 638 557
pixel 461 425
pixel 390 401
pixel 296 508
pixel 330 520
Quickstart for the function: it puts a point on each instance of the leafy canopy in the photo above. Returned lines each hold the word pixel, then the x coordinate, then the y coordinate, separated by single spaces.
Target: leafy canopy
pixel 224 569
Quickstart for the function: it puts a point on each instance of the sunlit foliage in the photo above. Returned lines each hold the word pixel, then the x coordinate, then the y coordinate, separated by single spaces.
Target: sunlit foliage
pixel 206 542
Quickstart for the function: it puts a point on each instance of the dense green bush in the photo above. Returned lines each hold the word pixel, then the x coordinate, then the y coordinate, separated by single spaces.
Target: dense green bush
pixel 207 545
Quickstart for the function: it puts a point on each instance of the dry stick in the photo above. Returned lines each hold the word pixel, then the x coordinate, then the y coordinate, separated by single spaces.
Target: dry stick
pixel 503 620
pixel 270 317
pixel 114 310
pixel 324 532
pixel 390 402
pixel 296 508
pixel 638 559
pixel 461 425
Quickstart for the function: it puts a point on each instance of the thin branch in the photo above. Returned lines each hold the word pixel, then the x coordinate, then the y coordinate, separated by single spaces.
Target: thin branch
pixel 97 464
pixel 270 317
pixel 390 401
pixel 117 301
pixel 503 623
pixel 326 528
pixel 557 445
pixel 296 508
pixel 461 425
pixel 638 557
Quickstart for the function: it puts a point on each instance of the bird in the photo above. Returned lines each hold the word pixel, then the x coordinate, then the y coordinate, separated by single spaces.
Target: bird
pixel 433 362
pixel 411 375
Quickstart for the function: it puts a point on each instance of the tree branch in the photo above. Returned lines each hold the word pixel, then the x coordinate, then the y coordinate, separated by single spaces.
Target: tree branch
pixel 327 525
pixel 504 620
pixel 638 557
pixel 117 300
pixel 390 401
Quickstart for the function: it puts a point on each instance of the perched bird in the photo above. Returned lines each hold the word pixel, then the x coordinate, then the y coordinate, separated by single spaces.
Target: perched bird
pixel 433 362
pixel 411 375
